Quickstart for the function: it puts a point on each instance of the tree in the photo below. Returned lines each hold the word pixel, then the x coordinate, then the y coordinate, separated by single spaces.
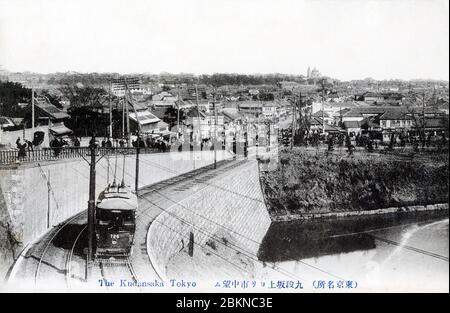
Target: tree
pixel 171 116
pixel 417 114
pixel 11 94
pixel 80 96
pixel 86 110
pixel 85 122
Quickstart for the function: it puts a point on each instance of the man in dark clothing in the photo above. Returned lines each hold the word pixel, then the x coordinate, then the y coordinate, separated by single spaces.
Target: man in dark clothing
pixel 22 152
pixel 370 146
pixel 56 147
pixel 330 143
pixel 349 145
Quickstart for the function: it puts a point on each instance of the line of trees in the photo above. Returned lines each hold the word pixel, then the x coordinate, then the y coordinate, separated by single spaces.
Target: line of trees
pixel 11 94
pixel 217 79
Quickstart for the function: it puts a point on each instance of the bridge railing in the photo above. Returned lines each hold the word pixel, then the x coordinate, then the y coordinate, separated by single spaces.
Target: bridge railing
pixel 47 154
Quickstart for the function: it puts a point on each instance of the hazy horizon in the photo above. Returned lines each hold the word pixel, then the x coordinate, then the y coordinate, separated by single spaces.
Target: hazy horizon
pixel 229 73
pixel 345 40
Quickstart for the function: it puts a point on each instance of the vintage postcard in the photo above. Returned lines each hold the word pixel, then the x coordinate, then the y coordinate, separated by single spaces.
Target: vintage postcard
pixel 225 146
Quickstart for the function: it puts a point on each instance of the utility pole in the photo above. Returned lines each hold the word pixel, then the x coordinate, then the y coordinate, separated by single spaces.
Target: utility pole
pixel 178 113
pixel 198 115
pixel 123 119
pixel 215 129
pixel 48 199
pixel 91 209
pixel 259 111
pixel 128 115
pixel 423 116
pixel 294 121
pixel 110 111
pixel 138 143
pixel 300 107
pixel 138 149
pixel 32 111
pixel 323 112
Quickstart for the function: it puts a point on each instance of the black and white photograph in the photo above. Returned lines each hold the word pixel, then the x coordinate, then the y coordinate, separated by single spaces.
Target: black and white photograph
pixel 224 146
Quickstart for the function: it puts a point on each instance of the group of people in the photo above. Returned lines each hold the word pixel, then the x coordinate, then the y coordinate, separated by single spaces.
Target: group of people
pixel 57 144
pixel 23 146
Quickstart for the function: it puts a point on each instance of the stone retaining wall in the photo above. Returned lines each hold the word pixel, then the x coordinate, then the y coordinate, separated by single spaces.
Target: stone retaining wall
pixel 232 206
pixel 26 197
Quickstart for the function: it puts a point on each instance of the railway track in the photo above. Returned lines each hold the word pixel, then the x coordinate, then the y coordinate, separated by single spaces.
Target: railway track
pixel 55 251
pixel 57 259
pixel 121 273
pixel 182 177
pixel 69 274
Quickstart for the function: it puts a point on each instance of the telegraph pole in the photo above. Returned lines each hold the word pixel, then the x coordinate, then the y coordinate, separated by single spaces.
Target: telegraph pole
pixel 138 143
pixel 32 111
pixel 178 113
pixel 300 104
pixel 323 113
pixel 110 112
pixel 138 149
pixel 91 209
pixel 294 121
pixel 48 199
pixel 128 115
pixel 198 115
pixel 215 129
pixel 123 120
pixel 423 116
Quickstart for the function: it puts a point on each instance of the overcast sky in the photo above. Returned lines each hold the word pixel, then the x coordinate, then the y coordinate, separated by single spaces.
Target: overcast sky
pixel 346 39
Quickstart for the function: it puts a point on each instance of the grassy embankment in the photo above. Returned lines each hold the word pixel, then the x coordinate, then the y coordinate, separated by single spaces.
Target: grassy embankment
pixel 309 182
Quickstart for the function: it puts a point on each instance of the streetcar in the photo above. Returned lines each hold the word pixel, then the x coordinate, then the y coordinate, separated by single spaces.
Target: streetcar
pixel 115 222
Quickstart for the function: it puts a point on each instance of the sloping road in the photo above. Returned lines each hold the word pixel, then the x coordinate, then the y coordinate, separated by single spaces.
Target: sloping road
pixel 56 261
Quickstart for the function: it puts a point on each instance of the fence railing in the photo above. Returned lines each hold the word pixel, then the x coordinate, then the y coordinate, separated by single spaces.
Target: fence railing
pixel 48 154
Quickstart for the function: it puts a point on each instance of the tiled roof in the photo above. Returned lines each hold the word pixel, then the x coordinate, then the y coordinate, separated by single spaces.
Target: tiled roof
pixel 352 124
pixel 145 117
pixel 400 114
pixel 49 109
pixel 320 113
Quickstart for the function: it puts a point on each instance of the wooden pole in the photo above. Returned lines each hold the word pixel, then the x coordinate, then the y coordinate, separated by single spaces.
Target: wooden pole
pixel 32 112
pixel 123 119
pixel 110 112
pixel 48 199
pixel 294 121
pixel 128 116
pixel 198 116
pixel 138 147
pixel 91 209
pixel 215 130
pixel 178 113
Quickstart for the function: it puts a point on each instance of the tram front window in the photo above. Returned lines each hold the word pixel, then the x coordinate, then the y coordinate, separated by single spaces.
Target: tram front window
pixel 116 220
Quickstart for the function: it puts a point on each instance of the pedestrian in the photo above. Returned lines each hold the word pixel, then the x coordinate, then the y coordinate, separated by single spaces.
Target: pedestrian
pixel 55 145
pixel 22 151
pixel 349 145
pixel 370 146
pixel 330 143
